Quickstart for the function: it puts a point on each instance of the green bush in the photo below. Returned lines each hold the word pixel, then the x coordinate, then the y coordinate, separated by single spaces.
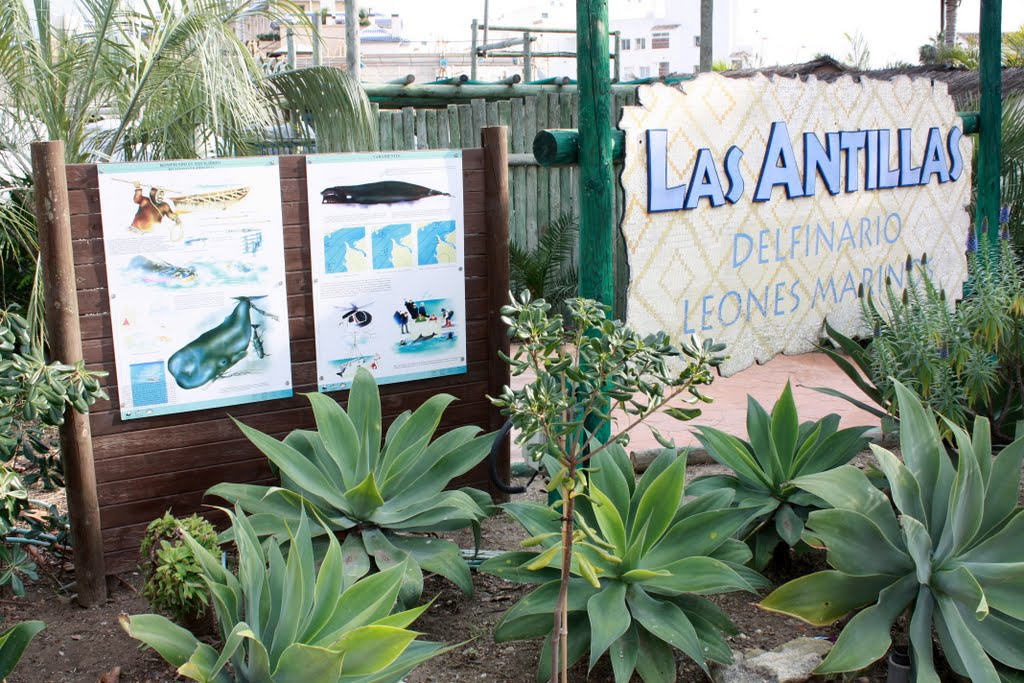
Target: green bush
pixel 282 620
pixel 953 557
pixel 172 576
pixel 546 271
pixel 34 392
pixel 780 449
pixel 383 496
pixel 642 558
pixel 964 363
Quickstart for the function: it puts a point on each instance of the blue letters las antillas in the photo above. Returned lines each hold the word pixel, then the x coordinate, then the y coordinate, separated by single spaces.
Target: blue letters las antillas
pixel 846 161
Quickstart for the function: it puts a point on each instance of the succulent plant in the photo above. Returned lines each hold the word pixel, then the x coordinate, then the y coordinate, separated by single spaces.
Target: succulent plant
pixel 952 557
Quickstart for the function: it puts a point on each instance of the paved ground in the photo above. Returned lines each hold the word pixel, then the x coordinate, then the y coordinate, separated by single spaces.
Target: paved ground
pixel 765 384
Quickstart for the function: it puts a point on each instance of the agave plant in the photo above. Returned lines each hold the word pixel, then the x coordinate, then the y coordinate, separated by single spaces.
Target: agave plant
pixel 282 620
pixel 13 642
pixel 780 450
pixel 379 495
pixel 641 559
pixel 952 557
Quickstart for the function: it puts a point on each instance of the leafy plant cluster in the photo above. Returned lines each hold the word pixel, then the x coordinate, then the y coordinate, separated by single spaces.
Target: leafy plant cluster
pixel 964 363
pixel 281 618
pixel 172 575
pixel 34 395
pixel 546 271
pixel 379 496
pixel 612 572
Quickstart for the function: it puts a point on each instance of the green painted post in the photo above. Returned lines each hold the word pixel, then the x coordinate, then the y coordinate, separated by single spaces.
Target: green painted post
pixel 990 117
pixel 595 152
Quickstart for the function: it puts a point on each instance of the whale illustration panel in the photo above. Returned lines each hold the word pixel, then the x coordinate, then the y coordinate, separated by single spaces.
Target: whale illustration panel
pixel 389 289
pixel 196 282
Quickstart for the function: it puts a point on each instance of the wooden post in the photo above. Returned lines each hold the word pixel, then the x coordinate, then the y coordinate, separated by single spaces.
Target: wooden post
pixel 53 217
pixel 316 39
pixel 595 152
pixel 289 38
pixel 352 38
pixel 707 9
pixel 495 143
pixel 472 51
pixel 527 58
pixel 617 57
pixel 990 119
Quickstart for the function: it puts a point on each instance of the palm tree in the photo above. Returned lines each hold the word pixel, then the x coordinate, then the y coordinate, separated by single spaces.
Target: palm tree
pixel 950 8
pixel 156 79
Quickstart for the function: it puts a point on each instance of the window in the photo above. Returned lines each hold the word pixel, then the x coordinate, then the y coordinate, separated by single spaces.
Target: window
pixel 641 43
pixel 645 72
pixel 663 69
pixel 659 41
pixel 696 41
pixel 625 43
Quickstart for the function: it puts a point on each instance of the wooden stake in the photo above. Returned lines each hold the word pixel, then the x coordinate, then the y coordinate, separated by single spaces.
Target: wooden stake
pixel 495 143
pixel 53 216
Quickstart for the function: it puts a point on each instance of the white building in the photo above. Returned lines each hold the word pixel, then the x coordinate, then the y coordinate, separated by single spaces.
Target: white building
pixel 662 38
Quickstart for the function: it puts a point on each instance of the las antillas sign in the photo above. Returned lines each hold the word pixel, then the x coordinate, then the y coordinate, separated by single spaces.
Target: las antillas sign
pixel 756 208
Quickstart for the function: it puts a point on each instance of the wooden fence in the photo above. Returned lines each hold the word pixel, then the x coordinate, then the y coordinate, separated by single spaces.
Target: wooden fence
pixel 537 195
pixel 144 467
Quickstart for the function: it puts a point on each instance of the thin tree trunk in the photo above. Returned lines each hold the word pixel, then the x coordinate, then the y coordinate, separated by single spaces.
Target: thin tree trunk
pixel 707 9
pixel 949 31
pixel 560 628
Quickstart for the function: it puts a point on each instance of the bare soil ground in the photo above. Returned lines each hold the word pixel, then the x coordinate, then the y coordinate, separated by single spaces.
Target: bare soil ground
pixel 80 645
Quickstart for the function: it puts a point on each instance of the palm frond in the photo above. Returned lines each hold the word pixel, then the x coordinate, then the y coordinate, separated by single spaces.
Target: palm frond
pixel 336 104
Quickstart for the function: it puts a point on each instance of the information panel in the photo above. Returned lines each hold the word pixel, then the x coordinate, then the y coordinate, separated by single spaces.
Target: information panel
pixel 196 279
pixel 386 241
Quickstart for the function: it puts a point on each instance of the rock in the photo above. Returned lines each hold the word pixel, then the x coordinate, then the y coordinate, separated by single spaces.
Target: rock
pixel 792 662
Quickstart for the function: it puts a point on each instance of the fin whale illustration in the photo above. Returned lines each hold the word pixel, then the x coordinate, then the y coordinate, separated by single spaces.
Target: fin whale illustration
pixel 215 351
pixel 382 192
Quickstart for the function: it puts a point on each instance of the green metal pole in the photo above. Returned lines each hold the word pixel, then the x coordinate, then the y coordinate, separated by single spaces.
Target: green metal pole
pixel 595 152
pixel 989 137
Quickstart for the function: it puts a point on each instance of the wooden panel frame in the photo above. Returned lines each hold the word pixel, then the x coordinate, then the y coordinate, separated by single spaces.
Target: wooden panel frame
pixel 146 466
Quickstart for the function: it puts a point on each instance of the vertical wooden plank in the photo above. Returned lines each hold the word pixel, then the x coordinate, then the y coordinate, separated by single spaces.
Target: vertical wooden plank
pixel 554 198
pixel 408 128
pixel 455 127
pixel 421 130
pixel 53 216
pixel 492 114
pixel 529 130
pixel 443 134
pixel 517 183
pixel 430 116
pixel 397 131
pixel 384 131
pixel 469 135
pixel 567 104
pixel 544 216
pixel 505 114
pixel 479 109
pixel 495 145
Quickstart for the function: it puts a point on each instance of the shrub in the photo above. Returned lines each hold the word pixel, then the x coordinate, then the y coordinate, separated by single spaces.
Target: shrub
pixel 546 271
pixel 601 366
pixel 642 558
pixel 953 557
pixel 282 620
pixel 172 576
pixel 780 449
pixel 380 495
pixel 34 392
pixel 963 363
